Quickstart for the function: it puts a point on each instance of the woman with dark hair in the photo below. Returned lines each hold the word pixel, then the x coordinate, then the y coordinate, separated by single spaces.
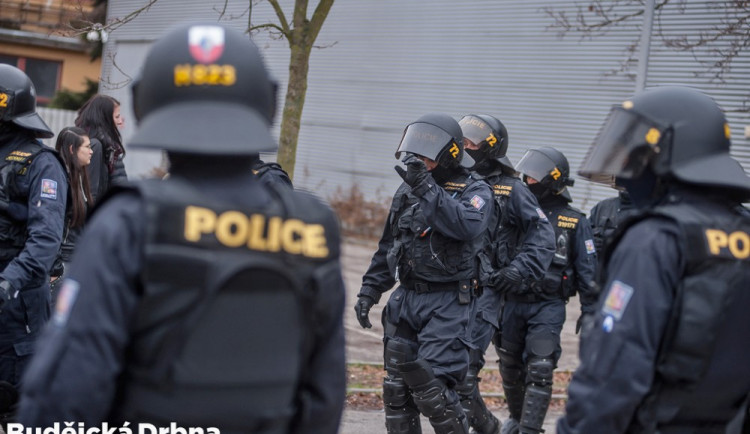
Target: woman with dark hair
pixel 100 118
pixel 74 148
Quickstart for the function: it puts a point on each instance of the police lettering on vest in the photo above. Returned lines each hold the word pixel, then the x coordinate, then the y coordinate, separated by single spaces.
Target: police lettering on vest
pixel 728 245
pixel 256 232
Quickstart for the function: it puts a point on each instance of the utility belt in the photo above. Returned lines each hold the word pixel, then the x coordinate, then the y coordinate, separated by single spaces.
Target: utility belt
pixel 465 288
pixel 527 297
pixel 535 292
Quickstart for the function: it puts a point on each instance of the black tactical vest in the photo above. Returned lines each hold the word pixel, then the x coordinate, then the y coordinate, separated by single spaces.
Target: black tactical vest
pixel 503 240
pixel 560 281
pixel 716 247
pixel 225 322
pixel 420 253
pixel 14 163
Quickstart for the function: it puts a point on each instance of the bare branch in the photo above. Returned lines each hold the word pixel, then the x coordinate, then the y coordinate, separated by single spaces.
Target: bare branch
pixel 117 22
pixel 279 34
pixel 282 18
pixel 319 16
pixel 222 11
pixel 120 84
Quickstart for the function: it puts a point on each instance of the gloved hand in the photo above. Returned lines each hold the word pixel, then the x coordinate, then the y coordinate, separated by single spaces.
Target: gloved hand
pixel 362 308
pixel 6 292
pixel 416 173
pixel 586 313
pixel 507 279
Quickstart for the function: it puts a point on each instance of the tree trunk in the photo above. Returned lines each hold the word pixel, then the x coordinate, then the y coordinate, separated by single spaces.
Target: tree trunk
pixel 295 100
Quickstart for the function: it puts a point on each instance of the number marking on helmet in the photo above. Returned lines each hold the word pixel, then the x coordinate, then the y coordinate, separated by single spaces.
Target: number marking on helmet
pixel 555 173
pixel 197 75
pixel 454 150
pixel 3 100
pixel 491 140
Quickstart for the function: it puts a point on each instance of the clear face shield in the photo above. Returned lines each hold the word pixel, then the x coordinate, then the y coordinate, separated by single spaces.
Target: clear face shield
pixel 477 131
pixel 623 148
pixel 432 142
pixel 537 165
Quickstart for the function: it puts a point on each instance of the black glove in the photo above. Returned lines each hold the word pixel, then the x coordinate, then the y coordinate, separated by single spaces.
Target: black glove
pixel 585 314
pixel 507 279
pixel 416 173
pixel 362 308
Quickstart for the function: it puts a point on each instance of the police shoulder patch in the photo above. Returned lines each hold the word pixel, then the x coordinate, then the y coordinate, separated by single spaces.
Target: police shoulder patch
pixel 65 300
pixel 477 202
pixel 617 299
pixel 541 214
pixel 590 249
pixel 49 189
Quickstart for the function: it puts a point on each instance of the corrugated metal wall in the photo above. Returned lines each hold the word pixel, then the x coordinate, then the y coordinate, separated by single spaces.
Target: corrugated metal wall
pixel 387 62
pixel 56 119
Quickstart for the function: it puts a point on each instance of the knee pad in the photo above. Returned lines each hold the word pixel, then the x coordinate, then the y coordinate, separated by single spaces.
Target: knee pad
pixel 395 392
pixel 427 391
pixel 397 353
pixel 540 371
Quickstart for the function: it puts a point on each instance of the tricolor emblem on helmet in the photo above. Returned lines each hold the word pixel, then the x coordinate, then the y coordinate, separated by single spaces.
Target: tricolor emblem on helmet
pixel 206 43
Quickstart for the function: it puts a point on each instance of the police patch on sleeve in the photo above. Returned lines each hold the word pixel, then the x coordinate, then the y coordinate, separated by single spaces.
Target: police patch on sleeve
pixel 590 246
pixel 477 202
pixel 65 299
pixel 49 189
pixel 617 299
pixel 541 214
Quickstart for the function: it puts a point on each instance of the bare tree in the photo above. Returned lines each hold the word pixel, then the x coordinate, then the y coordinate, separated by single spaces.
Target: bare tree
pixel 716 49
pixel 301 33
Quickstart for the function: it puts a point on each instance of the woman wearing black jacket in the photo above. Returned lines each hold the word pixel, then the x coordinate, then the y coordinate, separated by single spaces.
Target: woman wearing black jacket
pixel 100 117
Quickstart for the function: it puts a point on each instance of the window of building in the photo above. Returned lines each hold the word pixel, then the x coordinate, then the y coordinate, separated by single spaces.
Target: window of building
pixel 45 74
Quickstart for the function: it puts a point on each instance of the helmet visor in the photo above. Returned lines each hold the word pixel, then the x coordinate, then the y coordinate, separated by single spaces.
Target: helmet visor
pixel 424 139
pixel 623 147
pixel 537 165
pixel 477 130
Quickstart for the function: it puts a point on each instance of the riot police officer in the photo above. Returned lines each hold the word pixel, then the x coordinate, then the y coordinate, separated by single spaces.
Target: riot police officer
pixel 521 246
pixel 430 243
pixel 33 195
pixel 607 215
pixel 208 299
pixel 272 173
pixel 529 346
pixel 667 348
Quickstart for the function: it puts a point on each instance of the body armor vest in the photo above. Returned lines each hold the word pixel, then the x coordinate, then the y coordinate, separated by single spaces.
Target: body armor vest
pixel 15 161
pixel 560 281
pixel 507 239
pixel 224 325
pixel 421 253
pixel 716 247
pixel 503 240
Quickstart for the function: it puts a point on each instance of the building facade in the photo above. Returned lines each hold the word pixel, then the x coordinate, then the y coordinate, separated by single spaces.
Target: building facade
pixel 38 36
pixel 383 63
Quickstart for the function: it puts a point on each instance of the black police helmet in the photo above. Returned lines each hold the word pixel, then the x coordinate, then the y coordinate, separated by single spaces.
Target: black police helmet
pixel 549 167
pixel 490 135
pixel 18 98
pixel 678 132
pixel 204 89
pixel 438 137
